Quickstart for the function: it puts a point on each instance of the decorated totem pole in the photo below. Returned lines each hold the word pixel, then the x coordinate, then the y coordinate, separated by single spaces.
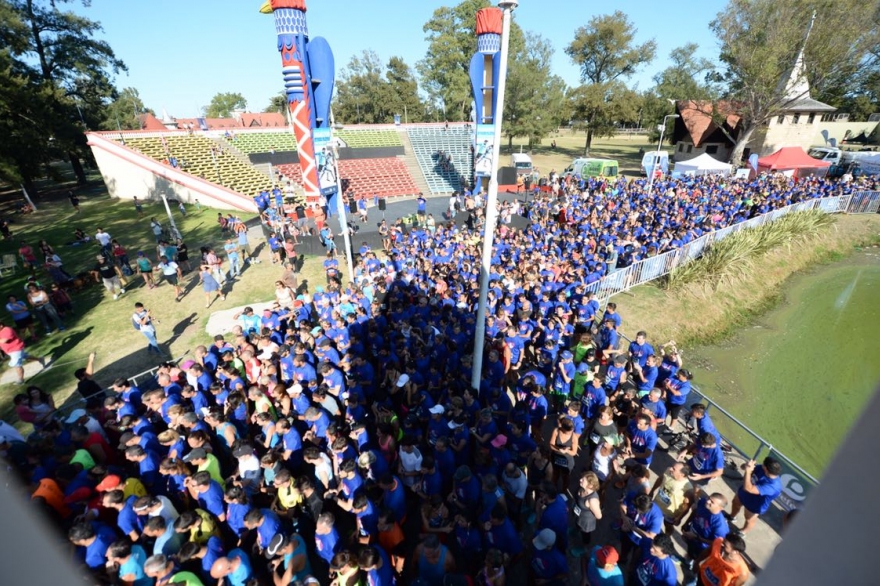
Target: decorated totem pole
pixel 484 69
pixel 308 69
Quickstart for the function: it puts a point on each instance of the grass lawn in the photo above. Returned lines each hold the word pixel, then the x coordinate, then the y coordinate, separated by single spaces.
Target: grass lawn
pixel 101 324
pixel 570 145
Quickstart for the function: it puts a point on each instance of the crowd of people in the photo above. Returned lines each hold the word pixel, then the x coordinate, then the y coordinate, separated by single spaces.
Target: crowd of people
pixel 336 438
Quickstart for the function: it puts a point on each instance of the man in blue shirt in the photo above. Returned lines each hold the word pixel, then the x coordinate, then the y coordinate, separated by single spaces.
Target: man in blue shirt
pixel 128 521
pixel 761 485
pixel 548 563
pixel 553 514
pixel 705 524
pixel 704 422
pixel 92 541
pixel 266 523
pixel 235 568
pixel 641 440
pixel 210 494
pixel 656 567
pixel 707 461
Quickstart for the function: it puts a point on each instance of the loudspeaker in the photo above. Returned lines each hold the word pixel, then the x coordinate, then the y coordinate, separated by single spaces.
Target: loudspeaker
pixel 507 176
pixel 353 206
pixel 382 204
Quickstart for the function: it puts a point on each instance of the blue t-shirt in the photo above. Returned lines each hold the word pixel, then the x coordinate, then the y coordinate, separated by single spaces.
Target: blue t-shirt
pixel 652 571
pixel 326 544
pixel 643 440
pixel 134 567
pixel 706 460
pixel 548 563
pixel 706 525
pixel 768 490
pixel 243 572
pixel 649 522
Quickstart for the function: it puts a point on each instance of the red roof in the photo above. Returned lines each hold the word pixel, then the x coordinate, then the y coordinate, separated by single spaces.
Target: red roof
pixel 788 158
pixel 263 120
pixel 150 122
pixel 697 118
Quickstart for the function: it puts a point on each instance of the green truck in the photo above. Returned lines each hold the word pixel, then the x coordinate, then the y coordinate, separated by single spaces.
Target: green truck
pixel 593 168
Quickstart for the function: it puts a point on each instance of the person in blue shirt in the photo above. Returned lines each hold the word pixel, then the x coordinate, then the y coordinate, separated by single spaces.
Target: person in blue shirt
pixel 641 439
pixel 130 524
pixel 465 490
pixel 645 376
pixel 707 461
pixel 593 398
pixel 206 554
pixel 537 403
pixel 677 389
pixel 326 537
pixel 553 514
pixel 235 568
pixel 563 375
pixel 761 486
pixel 366 515
pixel 548 563
pixel 502 534
pixel 92 541
pixel 705 523
pixel 394 496
pixel 653 405
pixel 266 523
pixel 700 413
pixel 374 561
pixel 129 560
pixel 421 205
pixel 656 568
pixel 210 494
pixel 640 349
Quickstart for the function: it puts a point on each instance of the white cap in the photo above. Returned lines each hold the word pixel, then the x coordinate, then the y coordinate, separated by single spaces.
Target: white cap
pixel 402 380
pixel 437 410
pixel 75 416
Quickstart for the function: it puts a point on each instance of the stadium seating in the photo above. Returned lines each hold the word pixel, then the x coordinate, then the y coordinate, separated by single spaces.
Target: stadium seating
pixel 367 177
pixel 455 141
pixel 359 139
pixel 194 155
pixel 263 142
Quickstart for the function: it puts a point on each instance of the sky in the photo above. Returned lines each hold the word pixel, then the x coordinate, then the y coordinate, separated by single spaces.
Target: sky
pixel 180 53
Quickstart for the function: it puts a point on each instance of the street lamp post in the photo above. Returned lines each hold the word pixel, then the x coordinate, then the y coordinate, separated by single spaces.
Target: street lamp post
pixel 491 198
pixel 662 129
pixel 340 208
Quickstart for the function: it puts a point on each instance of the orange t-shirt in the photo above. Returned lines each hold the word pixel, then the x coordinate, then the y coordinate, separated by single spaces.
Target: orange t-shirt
pixel 391 538
pixel 50 492
pixel 718 571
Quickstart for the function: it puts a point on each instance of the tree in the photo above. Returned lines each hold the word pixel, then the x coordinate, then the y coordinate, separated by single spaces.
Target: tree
pixel 687 78
pixel 124 112
pixel 224 103
pixel 277 103
pixel 62 79
pixel 534 96
pixel 369 92
pixel 761 40
pixel 600 108
pixel 604 50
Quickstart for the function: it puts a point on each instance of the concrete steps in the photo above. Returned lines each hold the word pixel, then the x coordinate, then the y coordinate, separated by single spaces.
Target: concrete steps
pixel 412 164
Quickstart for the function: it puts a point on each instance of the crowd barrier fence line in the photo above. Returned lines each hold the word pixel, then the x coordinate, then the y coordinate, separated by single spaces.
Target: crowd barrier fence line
pixel 796 482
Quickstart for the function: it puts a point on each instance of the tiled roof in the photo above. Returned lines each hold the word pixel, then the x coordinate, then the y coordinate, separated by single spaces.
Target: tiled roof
pixel 696 116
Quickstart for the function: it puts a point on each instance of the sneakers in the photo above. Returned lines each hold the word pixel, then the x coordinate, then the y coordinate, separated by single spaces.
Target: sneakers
pixel 121 291
pixel 115 297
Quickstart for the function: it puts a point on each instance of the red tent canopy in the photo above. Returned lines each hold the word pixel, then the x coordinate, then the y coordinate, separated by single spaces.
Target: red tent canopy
pixel 788 158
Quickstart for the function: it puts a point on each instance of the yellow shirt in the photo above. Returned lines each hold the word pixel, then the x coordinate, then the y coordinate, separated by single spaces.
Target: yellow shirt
pixel 289 497
pixel 671 494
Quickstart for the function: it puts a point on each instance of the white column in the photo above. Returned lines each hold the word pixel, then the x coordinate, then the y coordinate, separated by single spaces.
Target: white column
pixel 491 198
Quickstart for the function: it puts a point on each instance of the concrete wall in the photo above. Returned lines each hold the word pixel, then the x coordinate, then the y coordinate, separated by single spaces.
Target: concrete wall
pixel 794 129
pixel 128 173
pixel 838 130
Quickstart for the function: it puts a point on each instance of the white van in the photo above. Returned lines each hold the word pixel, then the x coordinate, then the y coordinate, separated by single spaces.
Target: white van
pixel 653 159
pixel 521 162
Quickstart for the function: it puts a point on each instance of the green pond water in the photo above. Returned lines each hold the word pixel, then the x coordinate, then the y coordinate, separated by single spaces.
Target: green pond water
pixel 801 374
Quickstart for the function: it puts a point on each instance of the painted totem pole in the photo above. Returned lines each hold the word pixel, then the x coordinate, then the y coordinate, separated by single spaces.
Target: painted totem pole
pixel 484 74
pixel 308 69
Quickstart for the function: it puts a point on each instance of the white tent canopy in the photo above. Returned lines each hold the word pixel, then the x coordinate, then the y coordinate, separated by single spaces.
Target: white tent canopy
pixel 702 165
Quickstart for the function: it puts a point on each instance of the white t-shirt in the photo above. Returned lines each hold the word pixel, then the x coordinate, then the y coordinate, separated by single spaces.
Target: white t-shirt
pixel 516 486
pixel 411 462
pixel 169 268
pixel 103 238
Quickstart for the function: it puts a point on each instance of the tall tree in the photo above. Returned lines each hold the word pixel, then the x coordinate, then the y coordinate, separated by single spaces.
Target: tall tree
pixel 124 112
pixel 534 96
pixel 55 57
pixel 402 90
pixel 600 108
pixel 277 103
pixel 762 39
pixel 606 53
pixel 688 77
pixel 360 93
pixel 223 104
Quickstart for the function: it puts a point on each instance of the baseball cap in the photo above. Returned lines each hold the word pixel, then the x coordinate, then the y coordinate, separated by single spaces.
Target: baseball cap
pixel 196 454
pixel 499 441
pixel 456 422
pixel 243 450
pixel 545 539
pixel 277 544
pixel 294 389
pixel 75 416
pixel 462 472
pixel 437 410
pixel 124 439
pixel 109 483
pixel 606 556
pixel 186 365
pixel 583 368
pixel 567 355
pixel 402 380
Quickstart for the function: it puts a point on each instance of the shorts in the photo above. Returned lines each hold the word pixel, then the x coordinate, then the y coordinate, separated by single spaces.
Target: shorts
pixel 674 410
pixel 16 359
pixel 172 279
pixel 112 283
pixel 24 322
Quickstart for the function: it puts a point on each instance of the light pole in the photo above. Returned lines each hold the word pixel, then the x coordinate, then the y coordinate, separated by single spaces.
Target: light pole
pixel 491 199
pixel 662 129
pixel 340 207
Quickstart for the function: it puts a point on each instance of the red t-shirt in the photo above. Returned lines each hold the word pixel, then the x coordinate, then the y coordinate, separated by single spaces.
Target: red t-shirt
pixel 10 341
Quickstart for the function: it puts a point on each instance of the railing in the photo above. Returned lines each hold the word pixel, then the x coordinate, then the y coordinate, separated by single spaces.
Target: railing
pixel 859 202
pixel 796 482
